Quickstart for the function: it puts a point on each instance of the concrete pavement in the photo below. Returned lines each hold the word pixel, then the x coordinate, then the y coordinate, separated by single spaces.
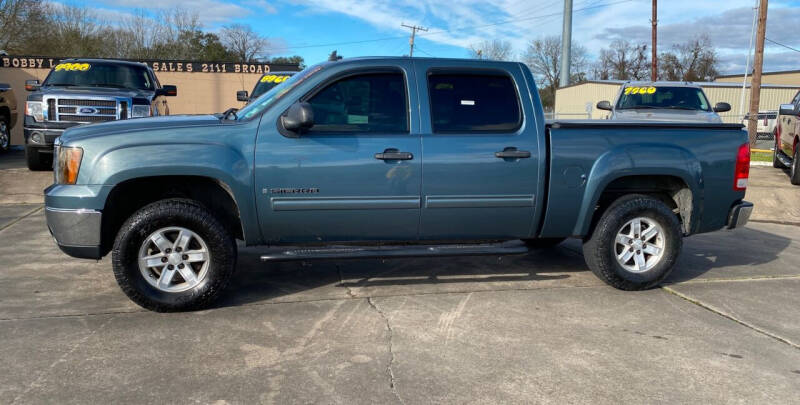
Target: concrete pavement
pixel 531 328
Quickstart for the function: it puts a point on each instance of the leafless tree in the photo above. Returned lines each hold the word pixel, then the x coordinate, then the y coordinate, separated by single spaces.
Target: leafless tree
pixel 543 57
pixel 622 61
pixel 246 44
pixel 15 19
pixel 694 60
pixel 496 49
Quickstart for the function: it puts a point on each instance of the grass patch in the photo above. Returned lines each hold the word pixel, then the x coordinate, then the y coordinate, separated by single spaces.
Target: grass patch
pixel 760 156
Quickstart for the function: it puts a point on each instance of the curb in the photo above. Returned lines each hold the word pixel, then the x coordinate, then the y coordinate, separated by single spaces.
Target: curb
pixel 760 163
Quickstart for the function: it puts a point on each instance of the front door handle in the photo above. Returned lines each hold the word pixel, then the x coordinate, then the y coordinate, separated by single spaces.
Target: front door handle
pixel 512 153
pixel 394 154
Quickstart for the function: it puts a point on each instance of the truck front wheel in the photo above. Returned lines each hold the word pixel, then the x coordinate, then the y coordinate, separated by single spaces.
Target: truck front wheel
pixel 173 255
pixel 635 243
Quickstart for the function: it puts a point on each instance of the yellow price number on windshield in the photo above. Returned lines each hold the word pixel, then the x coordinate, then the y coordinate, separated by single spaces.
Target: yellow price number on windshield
pixel 640 90
pixel 274 78
pixel 73 67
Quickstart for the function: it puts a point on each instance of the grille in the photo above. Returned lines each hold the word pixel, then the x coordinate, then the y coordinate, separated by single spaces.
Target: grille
pixel 765 136
pixel 69 110
pixel 87 103
pixel 85 118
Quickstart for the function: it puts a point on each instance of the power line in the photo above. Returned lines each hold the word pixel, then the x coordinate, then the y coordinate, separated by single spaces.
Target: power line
pixel 446 30
pixel 783 45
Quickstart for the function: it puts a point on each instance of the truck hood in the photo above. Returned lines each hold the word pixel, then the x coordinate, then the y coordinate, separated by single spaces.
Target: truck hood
pixel 666 115
pixel 137 124
pixel 61 91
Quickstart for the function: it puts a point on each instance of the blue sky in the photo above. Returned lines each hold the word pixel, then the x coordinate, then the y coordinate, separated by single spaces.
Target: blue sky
pixel 313 28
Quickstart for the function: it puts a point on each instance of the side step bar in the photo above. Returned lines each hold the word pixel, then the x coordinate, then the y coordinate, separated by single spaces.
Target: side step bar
pixel 284 254
pixel 785 160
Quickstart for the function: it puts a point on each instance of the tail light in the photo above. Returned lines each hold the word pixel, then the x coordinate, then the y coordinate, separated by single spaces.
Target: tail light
pixel 742 172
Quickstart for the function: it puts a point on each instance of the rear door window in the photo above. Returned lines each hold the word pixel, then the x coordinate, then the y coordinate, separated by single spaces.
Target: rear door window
pixel 473 102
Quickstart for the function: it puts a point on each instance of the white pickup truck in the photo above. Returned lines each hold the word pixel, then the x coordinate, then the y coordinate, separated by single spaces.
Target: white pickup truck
pixel 663 102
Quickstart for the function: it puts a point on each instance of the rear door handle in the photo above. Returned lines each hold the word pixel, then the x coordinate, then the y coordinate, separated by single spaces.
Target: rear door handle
pixel 394 154
pixel 512 153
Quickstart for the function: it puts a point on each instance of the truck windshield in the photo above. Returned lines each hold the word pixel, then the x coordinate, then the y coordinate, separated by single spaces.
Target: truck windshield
pixel 647 97
pixel 268 81
pixel 266 100
pixel 82 74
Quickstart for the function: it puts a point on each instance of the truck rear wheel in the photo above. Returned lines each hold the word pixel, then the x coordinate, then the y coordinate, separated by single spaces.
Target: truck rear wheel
pixel 794 176
pixel 173 255
pixel 635 243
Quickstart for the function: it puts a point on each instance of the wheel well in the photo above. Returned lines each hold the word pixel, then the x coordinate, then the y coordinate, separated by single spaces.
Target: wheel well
pixel 671 190
pixel 131 195
pixel 5 113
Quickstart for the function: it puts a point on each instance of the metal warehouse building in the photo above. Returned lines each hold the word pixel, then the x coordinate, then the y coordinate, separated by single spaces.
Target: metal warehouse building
pixel 579 100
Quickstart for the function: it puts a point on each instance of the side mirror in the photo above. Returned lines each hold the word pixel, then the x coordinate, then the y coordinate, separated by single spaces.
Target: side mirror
pixel 298 118
pixel 722 107
pixel 786 109
pixel 168 90
pixel 32 85
pixel 604 105
pixel 241 95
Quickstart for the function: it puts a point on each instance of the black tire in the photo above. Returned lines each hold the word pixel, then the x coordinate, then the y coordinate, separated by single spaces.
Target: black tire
pixel 173 213
pixel 776 163
pixel 37 161
pixel 543 243
pixel 794 174
pixel 5 134
pixel 599 250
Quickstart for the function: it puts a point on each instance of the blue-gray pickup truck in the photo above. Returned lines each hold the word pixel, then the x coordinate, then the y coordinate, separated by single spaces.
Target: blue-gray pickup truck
pixel 387 157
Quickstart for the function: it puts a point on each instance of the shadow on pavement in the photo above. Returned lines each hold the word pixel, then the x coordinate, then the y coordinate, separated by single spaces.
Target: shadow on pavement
pixel 742 252
pixel 256 281
pixel 745 252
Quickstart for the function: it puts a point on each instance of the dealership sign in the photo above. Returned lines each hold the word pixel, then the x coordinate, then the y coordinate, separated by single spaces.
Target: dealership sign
pixel 39 62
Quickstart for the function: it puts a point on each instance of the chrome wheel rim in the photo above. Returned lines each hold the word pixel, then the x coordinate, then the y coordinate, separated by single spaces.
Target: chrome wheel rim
pixel 4 137
pixel 639 245
pixel 174 259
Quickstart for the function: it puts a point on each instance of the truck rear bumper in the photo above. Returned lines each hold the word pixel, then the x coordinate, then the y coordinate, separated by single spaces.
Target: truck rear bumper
pixel 739 215
pixel 76 231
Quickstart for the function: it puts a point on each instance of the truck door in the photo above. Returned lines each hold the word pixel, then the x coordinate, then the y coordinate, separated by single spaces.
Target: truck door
pixel 356 174
pixel 480 152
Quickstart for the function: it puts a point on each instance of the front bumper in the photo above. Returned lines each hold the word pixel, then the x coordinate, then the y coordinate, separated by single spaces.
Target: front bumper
pixel 76 231
pixel 47 132
pixel 739 215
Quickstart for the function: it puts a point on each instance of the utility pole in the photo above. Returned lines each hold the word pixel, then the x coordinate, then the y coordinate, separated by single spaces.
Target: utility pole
pixel 566 45
pixel 758 63
pixel 654 58
pixel 414 29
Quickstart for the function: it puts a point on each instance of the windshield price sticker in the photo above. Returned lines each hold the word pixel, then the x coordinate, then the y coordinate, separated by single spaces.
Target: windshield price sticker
pixel 274 78
pixel 73 67
pixel 640 90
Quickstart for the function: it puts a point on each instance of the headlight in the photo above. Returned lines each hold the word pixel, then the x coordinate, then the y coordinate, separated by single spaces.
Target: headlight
pixel 34 109
pixel 69 162
pixel 139 111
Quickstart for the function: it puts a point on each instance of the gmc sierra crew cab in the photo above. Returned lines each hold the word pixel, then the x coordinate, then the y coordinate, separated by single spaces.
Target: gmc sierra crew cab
pixel 387 157
pixel 87 91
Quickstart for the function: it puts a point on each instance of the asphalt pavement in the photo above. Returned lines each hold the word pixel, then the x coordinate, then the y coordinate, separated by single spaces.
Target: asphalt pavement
pixel 534 328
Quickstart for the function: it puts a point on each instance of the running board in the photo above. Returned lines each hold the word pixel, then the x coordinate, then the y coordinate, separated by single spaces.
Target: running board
pixel 284 254
pixel 785 161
